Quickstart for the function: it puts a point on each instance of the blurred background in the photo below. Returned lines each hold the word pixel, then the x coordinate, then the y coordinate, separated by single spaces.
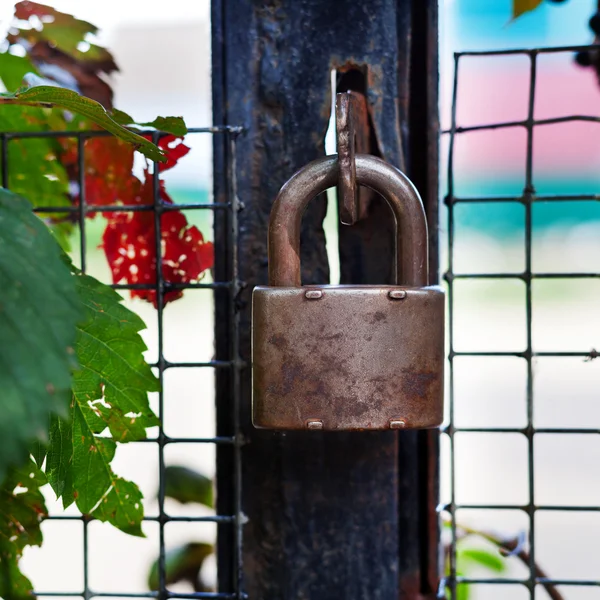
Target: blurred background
pixel 163 50
pixel 490 315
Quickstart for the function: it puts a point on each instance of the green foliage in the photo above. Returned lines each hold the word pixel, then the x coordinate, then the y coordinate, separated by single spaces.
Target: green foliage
pixel 492 561
pixel 34 171
pixel 109 390
pixel 463 591
pixel 47 169
pixel 110 352
pixel 74 380
pixel 186 485
pixel 39 313
pixel 22 509
pixel 43 95
pixel 173 125
pixel 470 557
pixel 183 563
pixel 13 69
pixel 109 404
pixel 110 395
pixel 66 33
pixel 59 31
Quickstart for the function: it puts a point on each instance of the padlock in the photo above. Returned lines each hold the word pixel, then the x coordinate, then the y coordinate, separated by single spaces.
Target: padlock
pixel 348 357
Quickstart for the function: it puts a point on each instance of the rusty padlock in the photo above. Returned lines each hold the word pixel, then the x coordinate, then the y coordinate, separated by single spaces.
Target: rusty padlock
pixel 348 357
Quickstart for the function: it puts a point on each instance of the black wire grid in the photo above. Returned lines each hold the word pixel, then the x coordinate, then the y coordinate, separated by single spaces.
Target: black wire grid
pixel 227 361
pixel 225 290
pixel 527 199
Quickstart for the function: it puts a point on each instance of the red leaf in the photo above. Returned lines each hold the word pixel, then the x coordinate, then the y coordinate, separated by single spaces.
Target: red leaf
pixel 108 164
pixel 174 149
pixel 130 246
pixel 26 9
pixel 129 238
pixel 108 177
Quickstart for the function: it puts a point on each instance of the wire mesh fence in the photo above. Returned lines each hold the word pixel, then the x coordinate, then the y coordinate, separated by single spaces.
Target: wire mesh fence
pixel 226 363
pixel 534 581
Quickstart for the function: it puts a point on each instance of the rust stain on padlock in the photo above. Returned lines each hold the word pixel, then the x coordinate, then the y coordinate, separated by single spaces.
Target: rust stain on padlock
pixel 326 361
pixel 418 383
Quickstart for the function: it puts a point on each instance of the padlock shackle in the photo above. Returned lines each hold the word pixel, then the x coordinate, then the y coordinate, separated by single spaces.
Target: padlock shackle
pixel 411 257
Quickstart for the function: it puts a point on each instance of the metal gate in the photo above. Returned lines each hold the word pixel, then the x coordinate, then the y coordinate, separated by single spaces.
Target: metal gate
pixel 526 547
pixel 226 363
pixel 405 494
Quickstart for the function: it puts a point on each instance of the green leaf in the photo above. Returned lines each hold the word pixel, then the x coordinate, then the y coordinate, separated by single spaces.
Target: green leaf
pixel 40 95
pixel 174 125
pixel 122 507
pixel 186 485
pixel 67 35
pixel 13 69
pixel 490 560
pixel 39 311
pixel 59 459
pixel 183 563
pixel 13 584
pixel 33 169
pixel 38 453
pixel 22 509
pixel 98 490
pixel 463 591
pixel 110 395
pixel 114 380
pixel 121 117
pixel 520 7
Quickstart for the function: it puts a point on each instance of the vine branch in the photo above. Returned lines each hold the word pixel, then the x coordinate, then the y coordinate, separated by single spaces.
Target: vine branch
pixel 514 547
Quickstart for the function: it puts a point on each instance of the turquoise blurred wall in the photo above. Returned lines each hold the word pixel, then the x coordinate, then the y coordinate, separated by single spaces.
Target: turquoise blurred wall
pixel 495 89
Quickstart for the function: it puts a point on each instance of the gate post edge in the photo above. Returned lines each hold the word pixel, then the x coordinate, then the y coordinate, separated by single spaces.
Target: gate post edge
pixel 329 515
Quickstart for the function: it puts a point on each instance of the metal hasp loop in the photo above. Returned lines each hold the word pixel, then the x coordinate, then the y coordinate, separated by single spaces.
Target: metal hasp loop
pixel 345 107
pixel 323 173
pixel 353 137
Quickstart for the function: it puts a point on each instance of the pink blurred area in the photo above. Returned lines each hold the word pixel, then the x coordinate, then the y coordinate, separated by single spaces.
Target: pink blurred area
pixel 496 89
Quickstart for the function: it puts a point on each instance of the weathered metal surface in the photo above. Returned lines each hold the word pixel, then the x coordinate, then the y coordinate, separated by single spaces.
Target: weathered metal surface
pixel 359 142
pixel 353 358
pixel 362 357
pixel 323 522
pixel 345 115
pixel 411 249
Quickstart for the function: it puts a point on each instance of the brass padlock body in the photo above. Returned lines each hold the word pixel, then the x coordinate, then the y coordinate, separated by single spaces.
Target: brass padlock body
pixel 349 358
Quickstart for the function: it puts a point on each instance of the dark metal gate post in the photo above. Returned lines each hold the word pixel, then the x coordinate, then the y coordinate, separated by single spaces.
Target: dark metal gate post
pixel 349 515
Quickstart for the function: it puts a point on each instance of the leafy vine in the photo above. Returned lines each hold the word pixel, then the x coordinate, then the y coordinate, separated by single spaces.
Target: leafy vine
pixel 75 383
